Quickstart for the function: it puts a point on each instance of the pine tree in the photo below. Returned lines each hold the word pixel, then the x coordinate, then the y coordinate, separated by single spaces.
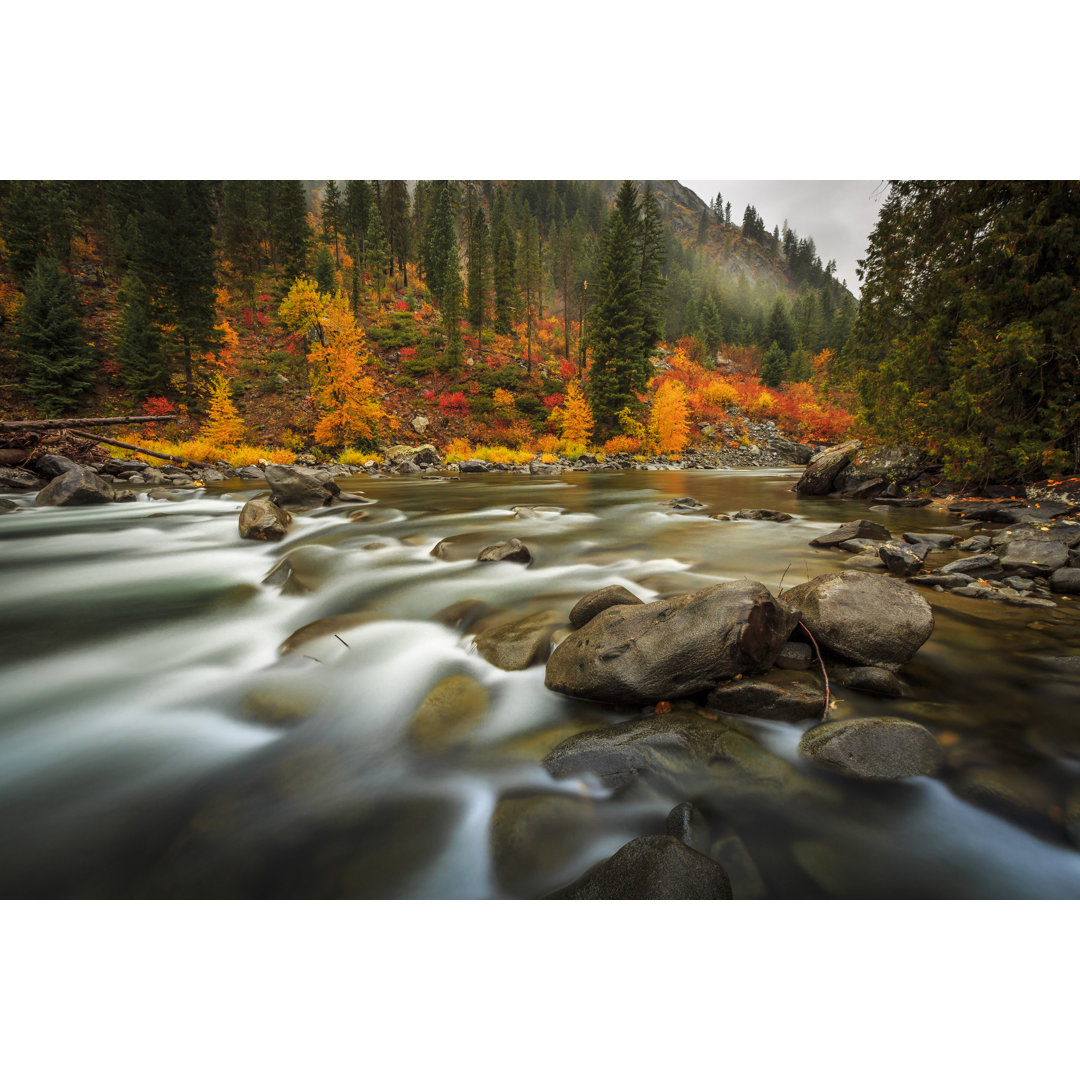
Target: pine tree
pixel 530 282
pixel 375 253
pixel 138 346
pixel 477 271
pixel 718 207
pixel 504 277
pixel 38 219
pixel 566 253
pixel 703 227
pixel 323 272
pixel 620 368
pixel 242 227
pixel 397 226
pixel 441 244
pixel 51 342
pixel 653 256
pixel 779 328
pixel 332 216
pixel 289 226
pixel 774 367
pixel 709 326
pixel 450 361
pixel 358 202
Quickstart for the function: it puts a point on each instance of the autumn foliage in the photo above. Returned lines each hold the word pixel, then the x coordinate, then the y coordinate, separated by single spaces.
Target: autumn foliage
pixel 669 421
pixel 223 426
pixel 574 417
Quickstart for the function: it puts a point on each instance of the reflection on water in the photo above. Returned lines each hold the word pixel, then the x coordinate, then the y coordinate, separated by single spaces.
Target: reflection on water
pixel 156 741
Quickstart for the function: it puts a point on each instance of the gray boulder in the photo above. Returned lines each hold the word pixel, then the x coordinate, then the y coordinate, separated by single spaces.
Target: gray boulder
pixel 890 464
pixel 263 519
pixel 295 486
pixel 790 449
pixel 651 868
pixel 931 540
pixel 418 455
pixel 762 515
pixel 6 506
pixel 902 559
pixel 770 700
pixel 1034 556
pixel 874 748
pixel 825 467
pixel 518 645
pixel 591 604
pixel 52 465
pixel 860 529
pixel 869 620
pixel 974 566
pixel 473 465
pixel 19 479
pixel 506 551
pixel 672 648
pixel 1066 580
pixel 868 680
pixel 76 487
pixel 544 468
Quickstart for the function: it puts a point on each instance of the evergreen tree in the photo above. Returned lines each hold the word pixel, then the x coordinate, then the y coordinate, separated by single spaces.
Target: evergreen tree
pixel 441 245
pixel 727 212
pixel 566 253
pixel 38 219
pixel 504 277
pixel 375 254
pixel 653 256
pixel 703 227
pixel 138 346
pixel 242 226
pixel 620 368
pixel 478 270
pixel 450 361
pixel 358 202
pixel 530 282
pixel 289 226
pixel 779 328
pixel 774 367
pixel 718 208
pixel 333 213
pixel 59 368
pixel 397 226
pixel 323 272
pixel 709 327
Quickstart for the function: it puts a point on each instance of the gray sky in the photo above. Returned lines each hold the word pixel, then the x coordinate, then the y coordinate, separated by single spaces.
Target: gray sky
pixel 838 214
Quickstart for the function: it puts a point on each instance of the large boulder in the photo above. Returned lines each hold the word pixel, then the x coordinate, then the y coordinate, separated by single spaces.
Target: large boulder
pixel 591 604
pixel 1066 580
pixel 52 465
pixel 1034 556
pixel 860 529
pixel 418 455
pixel 512 550
pixel 651 868
pixel 771 699
pixel 825 467
pixel 518 645
pixel 263 519
pixel 640 653
pixel 13 479
pixel 869 620
pixel 295 486
pixel 874 748
pixel 75 487
pixel 888 464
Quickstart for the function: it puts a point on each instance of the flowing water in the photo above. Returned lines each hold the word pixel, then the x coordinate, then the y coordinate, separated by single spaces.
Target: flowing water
pixel 155 740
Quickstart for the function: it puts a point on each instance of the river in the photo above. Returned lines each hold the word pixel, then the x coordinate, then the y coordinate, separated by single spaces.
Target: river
pixel 155 741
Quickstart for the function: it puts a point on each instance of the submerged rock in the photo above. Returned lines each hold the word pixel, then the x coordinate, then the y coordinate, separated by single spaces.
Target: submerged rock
pixel 449 714
pixel 762 515
pixel 75 487
pixel 591 604
pixel 506 551
pixel 872 621
pixel 518 645
pixel 642 653
pixel 262 519
pixel 868 680
pixel 874 748
pixel 651 868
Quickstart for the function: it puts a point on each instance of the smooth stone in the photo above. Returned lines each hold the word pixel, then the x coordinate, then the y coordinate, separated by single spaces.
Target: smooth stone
pixel 977 592
pixel 641 653
pixel 591 604
pixel 75 487
pixel 859 546
pixel 281 702
pixel 943 581
pixel 296 486
pixel 263 519
pixel 974 566
pixel 651 868
pixel 1004 788
pixel 512 550
pixel 1034 556
pixel 746 880
pixel 519 645
pixel 1066 580
pixel 975 544
pixel 931 540
pixel 686 823
pixel 824 467
pixel 447 717
pixel 52 465
pixel 874 748
pixel 6 506
pixel 869 680
pixel 768 700
pixel 853 530
pixel 795 656
pixel 867 619
pixel 762 515
pixel 19 479
pixel 462 614
pixel 902 559
pixel 332 627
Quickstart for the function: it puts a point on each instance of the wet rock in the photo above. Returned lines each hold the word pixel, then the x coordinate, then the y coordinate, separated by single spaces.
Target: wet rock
pixel 544 468
pixel 902 559
pixel 417 455
pixel 944 581
pixel 405 468
pixel 870 620
pixel 790 449
pixel 874 748
pixel 686 823
pixel 304 568
pixel 1005 789
pixel 1058 532
pixel 52 465
pixel 75 487
pixel 473 465
pixel 250 472
pixel 795 656
pixel 859 529
pixel 449 714
pixel 281 702
pixel 1034 556
pixel 719 517
pixel 641 653
pixel 977 592
pixel 262 519
pixel 746 880
pixel 505 551
pixel 462 615
pixel 1066 580
pixel 518 645
pixel 651 868
pixel 332 628
pixel 685 503
pixel 869 680
pixel 975 544
pixel 6 506
pixel 301 488
pixel 762 515
pixel 823 469
pixel 974 566
pixel 890 464
pixel 531 837
pixel 930 540
pixel 591 604
pixel 768 699
pixel 19 479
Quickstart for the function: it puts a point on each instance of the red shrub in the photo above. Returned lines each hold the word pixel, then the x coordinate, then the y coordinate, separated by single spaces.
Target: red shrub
pixel 249 317
pixel 455 404
pixel 554 401
pixel 567 370
pixel 157 406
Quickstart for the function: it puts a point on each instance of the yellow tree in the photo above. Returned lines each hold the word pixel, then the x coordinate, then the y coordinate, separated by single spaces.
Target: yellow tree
pixel 574 417
pixel 669 422
pixel 304 309
pixel 346 397
pixel 223 426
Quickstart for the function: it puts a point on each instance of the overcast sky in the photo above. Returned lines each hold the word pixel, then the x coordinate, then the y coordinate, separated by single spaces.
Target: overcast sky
pixel 838 214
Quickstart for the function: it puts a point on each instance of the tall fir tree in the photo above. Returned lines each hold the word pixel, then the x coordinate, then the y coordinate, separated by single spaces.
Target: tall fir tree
pixel 530 282
pixel 138 345
pixel 397 226
pixel 358 201
pixel 441 244
pixel 504 277
pixel 323 271
pixel 774 367
pixel 779 327
pixel 478 271
pixel 51 342
pixel 375 254
pixel 332 217
pixel 653 257
pixel 289 226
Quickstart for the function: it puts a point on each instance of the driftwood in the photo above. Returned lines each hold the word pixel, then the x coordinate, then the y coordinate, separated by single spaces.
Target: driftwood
pixel 142 450
pixel 82 421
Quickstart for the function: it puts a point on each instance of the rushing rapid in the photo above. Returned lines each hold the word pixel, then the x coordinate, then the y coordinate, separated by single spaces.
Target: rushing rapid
pixel 174 726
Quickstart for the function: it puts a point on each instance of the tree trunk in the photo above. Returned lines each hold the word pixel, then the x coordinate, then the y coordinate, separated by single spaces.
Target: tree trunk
pixel 82 421
pixel 142 449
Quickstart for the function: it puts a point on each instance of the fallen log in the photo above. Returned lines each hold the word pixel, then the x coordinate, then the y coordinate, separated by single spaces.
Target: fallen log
pixel 82 421
pixel 143 450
